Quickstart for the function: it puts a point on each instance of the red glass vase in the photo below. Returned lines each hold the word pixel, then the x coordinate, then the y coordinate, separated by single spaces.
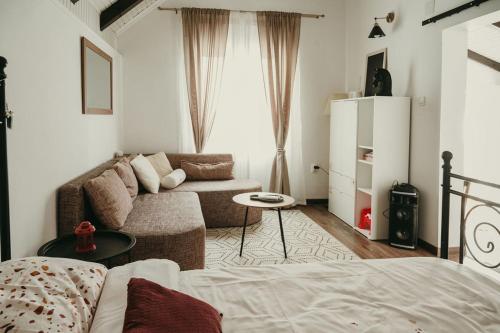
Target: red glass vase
pixel 84 233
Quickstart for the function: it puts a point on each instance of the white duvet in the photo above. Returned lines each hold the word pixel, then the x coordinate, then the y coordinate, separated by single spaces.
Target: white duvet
pixel 392 295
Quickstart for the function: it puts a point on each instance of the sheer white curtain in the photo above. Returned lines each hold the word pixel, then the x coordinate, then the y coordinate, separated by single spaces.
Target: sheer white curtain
pixel 243 125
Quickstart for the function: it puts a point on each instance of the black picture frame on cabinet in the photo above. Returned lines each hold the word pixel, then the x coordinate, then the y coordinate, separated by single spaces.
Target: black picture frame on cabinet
pixel 374 60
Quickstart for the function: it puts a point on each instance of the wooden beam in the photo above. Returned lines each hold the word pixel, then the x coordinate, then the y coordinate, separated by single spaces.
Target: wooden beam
pixel 456 10
pixel 115 11
pixel 484 60
pixel 497 24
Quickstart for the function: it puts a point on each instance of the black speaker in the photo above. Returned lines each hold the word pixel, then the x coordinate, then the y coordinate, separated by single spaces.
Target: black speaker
pixel 403 216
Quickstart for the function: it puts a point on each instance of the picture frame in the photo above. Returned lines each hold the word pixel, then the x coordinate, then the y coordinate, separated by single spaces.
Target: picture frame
pixel 374 60
pixel 97 79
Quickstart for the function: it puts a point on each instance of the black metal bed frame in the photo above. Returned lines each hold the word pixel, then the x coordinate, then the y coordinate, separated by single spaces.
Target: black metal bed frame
pixel 464 214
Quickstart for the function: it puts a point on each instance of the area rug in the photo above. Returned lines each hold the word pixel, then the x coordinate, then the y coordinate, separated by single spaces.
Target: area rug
pixel 305 241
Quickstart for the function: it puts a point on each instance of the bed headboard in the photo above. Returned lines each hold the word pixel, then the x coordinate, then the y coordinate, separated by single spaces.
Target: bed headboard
pixel 483 242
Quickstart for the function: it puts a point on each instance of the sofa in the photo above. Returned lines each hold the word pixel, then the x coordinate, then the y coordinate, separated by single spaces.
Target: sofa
pixel 171 224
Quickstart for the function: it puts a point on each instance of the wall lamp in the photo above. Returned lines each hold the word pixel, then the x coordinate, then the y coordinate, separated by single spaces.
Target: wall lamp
pixel 377 31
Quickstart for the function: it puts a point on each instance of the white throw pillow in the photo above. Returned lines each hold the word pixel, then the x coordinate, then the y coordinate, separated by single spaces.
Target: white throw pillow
pixel 174 179
pixel 146 173
pixel 161 164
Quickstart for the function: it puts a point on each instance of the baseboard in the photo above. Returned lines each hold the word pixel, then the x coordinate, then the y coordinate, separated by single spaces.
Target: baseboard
pixel 316 201
pixel 452 251
pixel 428 247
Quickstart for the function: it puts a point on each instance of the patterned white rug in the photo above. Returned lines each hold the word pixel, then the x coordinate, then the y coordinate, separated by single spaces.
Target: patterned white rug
pixel 305 242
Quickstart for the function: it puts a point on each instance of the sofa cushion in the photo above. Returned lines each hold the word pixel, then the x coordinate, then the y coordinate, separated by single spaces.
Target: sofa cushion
pixel 208 171
pixel 218 186
pixel 170 226
pixel 146 173
pixel 216 199
pixel 109 198
pixel 126 173
pixel 174 179
pixel 160 163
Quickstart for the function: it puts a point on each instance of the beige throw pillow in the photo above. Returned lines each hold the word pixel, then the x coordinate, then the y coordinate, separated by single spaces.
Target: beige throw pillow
pixel 160 163
pixel 208 171
pixel 174 179
pixel 109 199
pixel 126 173
pixel 146 173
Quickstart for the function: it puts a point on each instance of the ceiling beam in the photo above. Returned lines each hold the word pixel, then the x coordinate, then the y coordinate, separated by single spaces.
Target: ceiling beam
pixel 484 60
pixel 115 11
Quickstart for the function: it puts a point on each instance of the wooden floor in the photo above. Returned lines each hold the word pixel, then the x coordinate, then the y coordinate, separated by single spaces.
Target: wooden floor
pixel 356 242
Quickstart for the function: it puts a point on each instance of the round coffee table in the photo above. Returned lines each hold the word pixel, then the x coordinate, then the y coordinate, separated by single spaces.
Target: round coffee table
pixel 244 200
pixel 109 244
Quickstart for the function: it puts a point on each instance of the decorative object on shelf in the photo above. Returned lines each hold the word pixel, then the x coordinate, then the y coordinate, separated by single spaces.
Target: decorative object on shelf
pixel 335 96
pixel 368 156
pixel 377 31
pixel 85 237
pixel 365 221
pixel 355 94
pixel 374 60
pixel 382 82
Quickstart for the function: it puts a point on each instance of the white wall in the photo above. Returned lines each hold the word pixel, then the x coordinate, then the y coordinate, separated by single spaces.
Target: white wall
pixel 51 141
pixel 151 97
pixel 414 60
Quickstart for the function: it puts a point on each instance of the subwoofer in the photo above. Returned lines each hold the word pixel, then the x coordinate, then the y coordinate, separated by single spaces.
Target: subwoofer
pixel 403 216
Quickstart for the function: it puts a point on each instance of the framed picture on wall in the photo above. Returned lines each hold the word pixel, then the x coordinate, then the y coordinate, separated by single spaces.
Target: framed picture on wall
pixel 374 60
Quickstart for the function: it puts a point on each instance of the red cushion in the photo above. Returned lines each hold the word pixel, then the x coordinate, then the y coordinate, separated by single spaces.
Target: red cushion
pixel 152 308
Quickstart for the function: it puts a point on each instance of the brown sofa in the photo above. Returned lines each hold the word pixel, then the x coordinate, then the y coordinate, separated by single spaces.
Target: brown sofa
pixel 170 224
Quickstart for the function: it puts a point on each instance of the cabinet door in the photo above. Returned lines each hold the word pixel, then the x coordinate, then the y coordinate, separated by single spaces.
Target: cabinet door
pixel 350 121
pixel 336 136
pixel 343 136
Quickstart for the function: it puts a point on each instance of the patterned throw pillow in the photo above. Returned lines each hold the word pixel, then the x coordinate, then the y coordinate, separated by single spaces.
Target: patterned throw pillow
pixel 41 294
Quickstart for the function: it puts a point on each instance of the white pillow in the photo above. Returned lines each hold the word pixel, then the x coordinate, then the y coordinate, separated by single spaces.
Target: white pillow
pixel 174 179
pixel 161 164
pixel 146 173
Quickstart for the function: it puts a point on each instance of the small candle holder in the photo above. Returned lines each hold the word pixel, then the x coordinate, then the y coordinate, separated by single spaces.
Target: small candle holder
pixel 84 233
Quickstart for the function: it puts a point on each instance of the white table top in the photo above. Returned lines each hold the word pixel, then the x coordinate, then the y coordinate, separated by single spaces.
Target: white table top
pixel 244 199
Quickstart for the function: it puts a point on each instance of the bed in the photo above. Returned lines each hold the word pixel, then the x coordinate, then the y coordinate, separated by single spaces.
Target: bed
pixel 388 295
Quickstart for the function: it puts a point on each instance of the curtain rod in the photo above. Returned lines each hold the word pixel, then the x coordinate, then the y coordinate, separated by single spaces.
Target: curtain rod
pixel 316 16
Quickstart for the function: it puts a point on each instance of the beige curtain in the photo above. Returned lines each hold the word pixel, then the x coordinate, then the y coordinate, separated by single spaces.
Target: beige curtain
pixel 279 44
pixel 204 37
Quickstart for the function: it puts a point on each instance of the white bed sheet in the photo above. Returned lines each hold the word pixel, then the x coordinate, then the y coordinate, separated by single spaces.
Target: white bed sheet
pixel 392 295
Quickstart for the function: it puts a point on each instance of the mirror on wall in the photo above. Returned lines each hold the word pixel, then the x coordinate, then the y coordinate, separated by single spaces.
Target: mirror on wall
pixel 97 79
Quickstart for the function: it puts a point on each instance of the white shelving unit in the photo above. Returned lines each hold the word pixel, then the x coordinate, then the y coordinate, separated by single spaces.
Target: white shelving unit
pixel 373 124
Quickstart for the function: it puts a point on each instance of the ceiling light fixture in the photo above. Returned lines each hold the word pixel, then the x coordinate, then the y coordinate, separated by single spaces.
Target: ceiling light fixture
pixel 377 31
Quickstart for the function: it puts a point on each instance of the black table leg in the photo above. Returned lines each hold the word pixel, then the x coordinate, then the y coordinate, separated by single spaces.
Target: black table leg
pixel 282 234
pixel 244 228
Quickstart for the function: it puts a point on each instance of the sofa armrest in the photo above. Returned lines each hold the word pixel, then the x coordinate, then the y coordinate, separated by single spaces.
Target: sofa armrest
pixel 175 159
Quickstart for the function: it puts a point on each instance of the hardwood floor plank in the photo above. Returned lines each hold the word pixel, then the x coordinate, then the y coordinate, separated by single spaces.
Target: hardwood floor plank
pixel 357 243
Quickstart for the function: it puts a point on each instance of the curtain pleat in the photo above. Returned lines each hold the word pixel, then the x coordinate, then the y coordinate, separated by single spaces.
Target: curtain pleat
pixel 279 35
pixel 204 38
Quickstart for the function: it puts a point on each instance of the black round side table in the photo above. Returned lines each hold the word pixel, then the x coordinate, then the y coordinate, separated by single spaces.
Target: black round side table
pixel 109 244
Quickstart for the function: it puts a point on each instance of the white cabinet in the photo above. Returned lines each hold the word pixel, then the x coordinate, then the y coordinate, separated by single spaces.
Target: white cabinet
pixel 357 126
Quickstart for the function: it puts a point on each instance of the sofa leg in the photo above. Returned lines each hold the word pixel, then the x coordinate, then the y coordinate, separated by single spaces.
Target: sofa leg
pixel 244 228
